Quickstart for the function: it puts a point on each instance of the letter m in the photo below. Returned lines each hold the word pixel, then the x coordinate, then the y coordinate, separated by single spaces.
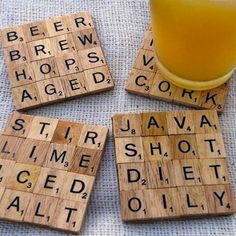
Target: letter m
pixel 55 156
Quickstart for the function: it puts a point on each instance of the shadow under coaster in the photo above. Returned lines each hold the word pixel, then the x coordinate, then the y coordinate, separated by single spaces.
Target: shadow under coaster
pixel 47 170
pixel 171 165
pixel 54 60
pixel 145 80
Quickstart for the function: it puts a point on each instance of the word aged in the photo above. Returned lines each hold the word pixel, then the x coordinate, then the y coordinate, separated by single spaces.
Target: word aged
pixel 171 164
pixel 47 170
pixel 146 80
pixel 53 60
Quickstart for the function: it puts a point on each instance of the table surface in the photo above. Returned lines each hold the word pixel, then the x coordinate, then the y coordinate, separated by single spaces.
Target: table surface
pixel 121 25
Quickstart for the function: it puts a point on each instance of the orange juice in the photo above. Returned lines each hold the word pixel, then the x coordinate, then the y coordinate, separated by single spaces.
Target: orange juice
pixel 195 41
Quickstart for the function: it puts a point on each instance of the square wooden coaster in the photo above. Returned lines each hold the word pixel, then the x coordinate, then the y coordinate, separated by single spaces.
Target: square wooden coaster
pixel 54 60
pixel 146 80
pixel 171 164
pixel 47 170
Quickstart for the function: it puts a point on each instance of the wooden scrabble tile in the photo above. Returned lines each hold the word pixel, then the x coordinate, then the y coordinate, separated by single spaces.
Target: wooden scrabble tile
pixel 67 132
pixel 184 146
pixel 214 171
pixel 86 38
pixel 57 25
pixel 16 54
pixel 187 97
pixel 18 125
pixel 132 176
pixel 192 200
pixel 180 122
pixel 157 148
pixel 160 174
pixel 35 30
pixel 63 44
pixel 91 58
pixel 155 86
pixel 210 145
pixel 69 63
pixel 162 89
pixel 86 161
pixel 12 36
pixel 206 121
pixel 50 90
pixel 5 166
pixel 171 165
pixel 98 79
pixel 45 69
pixel 32 152
pixel 75 85
pixel 42 128
pixel 41 210
pixel 134 205
pixel 21 74
pixel 13 204
pixel 26 96
pixel 80 21
pixel 50 182
pixel 126 125
pixel 140 82
pixel 147 42
pixel 40 49
pixel 23 177
pixel 66 49
pixel 187 172
pixel 93 137
pixel 59 156
pixel 9 146
pixel 154 123
pixel 77 187
pixel 69 215
pixel 129 150
pixel 162 203
pixel 146 61
pixel 215 98
pixel 220 199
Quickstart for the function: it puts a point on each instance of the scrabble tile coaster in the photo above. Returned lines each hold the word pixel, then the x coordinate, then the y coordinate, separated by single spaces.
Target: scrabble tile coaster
pixel 171 164
pixel 47 170
pixel 146 80
pixel 54 60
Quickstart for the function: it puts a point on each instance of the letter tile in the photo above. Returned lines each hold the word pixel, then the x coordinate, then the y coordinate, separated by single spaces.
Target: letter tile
pixel 13 204
pixel 23 177
pixel 132 176
pixel 77 187
pixel 41 210
pixel 18 124
pixel 69 215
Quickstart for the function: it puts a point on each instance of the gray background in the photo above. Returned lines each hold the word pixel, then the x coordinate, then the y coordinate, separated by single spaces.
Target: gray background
pixel 121 25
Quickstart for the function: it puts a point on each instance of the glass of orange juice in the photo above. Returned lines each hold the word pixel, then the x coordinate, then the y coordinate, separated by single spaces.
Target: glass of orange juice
pixel 195 41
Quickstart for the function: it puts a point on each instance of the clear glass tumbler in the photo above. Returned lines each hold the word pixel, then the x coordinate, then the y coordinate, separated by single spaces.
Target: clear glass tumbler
pixel 195 41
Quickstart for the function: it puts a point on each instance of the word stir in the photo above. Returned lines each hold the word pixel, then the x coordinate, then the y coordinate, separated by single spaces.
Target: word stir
pixel 47 170
pixel 53 60
pixel 171 164
pixel 146 80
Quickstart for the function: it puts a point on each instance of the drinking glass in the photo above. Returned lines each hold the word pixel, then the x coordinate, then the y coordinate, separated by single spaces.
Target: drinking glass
pixel 195 41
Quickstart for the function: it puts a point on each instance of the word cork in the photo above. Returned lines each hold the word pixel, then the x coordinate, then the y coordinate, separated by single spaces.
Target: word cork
pixel 171 165
pixel 47 170
pixel 146 80
pixel 54 60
